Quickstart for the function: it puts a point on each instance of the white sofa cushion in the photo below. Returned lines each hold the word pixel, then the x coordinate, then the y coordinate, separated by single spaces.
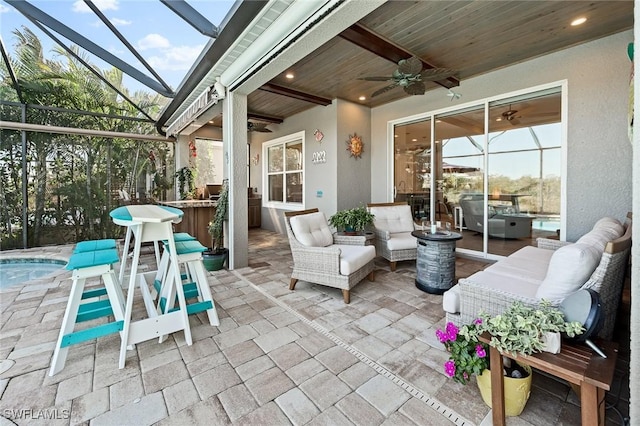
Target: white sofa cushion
pixel 312 230
pixel 610 224
pixel 401 241
pixel 528 263
pixel 393 219
pixel 352 258
pixel 569 268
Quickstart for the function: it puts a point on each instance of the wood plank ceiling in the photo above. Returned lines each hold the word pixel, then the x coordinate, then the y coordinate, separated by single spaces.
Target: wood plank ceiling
pixel 471 37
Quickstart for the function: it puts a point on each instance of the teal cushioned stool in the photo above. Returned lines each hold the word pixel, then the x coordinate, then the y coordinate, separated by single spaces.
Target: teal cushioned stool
pixel 93 245
pixel 86 265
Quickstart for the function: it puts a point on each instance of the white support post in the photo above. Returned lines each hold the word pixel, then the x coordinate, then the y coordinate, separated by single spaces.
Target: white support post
pixel 234 135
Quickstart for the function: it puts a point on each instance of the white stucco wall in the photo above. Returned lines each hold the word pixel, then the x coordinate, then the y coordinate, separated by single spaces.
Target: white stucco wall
pixel 354 177
pixel 318 177
pixel 598 149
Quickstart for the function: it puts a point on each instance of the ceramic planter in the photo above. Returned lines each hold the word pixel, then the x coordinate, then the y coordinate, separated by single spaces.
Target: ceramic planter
pixel 516 391
pixel 214 261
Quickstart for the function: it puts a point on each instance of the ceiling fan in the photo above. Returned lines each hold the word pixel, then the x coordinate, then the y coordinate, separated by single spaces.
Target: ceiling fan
pixel 411 77
pixel 258 127
pixel 511 117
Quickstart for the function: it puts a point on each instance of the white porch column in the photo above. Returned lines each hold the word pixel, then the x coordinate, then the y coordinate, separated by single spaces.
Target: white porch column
pixel 234 136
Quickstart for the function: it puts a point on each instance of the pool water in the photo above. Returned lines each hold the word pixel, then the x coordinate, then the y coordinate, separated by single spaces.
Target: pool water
pixel 546 224
pixel 18 271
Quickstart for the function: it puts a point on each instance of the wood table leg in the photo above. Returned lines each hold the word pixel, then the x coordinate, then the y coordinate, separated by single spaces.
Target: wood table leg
pixel 497 387
pixel 592 411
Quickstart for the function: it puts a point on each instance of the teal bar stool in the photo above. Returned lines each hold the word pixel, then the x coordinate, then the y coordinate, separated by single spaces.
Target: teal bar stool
pixel 189 254
pixel 89 264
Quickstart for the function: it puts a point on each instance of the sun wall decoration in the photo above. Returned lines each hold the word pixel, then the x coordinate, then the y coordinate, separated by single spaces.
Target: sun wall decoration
pixel 355 146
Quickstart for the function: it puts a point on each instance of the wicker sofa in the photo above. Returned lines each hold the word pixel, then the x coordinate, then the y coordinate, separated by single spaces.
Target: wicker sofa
pixel 551 271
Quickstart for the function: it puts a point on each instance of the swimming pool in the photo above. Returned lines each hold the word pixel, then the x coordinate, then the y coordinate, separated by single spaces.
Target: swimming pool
pixel 18 271
pixel 550 224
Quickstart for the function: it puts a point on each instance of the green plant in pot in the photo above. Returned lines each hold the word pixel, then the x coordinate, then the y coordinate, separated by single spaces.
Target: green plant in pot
pixel 352 221
pixel 186 182
pixel 520 330
pixel 215 257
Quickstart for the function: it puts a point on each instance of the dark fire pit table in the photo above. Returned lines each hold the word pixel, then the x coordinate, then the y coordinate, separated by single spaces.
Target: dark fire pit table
pixel 436 262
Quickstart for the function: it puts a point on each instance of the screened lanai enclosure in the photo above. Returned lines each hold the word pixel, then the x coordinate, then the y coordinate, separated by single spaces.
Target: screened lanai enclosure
pixel 59 188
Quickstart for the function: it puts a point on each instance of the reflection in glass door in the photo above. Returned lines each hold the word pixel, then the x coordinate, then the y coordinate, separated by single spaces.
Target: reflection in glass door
pixel 460 174
pixel 524 168
pixel 412 166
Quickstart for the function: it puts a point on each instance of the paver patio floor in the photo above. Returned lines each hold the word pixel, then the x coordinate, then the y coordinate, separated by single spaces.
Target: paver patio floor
pixel 279 357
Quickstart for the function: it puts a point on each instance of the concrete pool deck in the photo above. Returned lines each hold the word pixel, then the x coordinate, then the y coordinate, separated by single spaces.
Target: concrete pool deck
pixel 278 357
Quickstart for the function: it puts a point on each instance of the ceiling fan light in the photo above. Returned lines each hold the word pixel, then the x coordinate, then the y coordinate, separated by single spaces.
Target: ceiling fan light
pixel 499 119
pixel 578 21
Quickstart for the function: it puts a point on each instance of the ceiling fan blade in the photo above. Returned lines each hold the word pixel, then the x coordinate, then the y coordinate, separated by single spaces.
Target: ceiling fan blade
pixel 376 78
pixel 415 88
pixel 384 89
pixel 413 66
pixel 435 74
pixel 514 121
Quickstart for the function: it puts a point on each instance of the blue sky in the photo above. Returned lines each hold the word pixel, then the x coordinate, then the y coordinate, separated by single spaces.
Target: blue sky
pixel 163 39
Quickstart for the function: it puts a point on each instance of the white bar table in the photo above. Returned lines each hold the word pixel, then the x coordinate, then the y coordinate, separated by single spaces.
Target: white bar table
pixel 150 223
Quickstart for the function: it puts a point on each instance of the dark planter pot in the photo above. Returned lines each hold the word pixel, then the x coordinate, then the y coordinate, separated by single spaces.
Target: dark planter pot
pixel 214 261
pixel 349 230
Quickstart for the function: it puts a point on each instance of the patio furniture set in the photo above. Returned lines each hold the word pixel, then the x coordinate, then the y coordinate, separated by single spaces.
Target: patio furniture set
pixel 180 277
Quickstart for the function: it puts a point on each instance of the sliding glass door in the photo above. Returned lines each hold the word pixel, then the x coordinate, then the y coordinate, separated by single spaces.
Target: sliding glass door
pixel 493 170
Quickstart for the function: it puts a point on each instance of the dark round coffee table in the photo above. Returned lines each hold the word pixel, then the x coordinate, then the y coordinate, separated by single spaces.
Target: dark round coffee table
pixel 436 261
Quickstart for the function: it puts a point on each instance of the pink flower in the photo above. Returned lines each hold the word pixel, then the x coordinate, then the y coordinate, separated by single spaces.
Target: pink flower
pixel 452 331
pixel 441 336
pixel 480 351
pixel 465 375
pixel 450 368
pixel 477 321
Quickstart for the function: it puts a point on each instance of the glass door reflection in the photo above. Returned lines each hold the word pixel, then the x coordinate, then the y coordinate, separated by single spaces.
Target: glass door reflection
pixel 412 166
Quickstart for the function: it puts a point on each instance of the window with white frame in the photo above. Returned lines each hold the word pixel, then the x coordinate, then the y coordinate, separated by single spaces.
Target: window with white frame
pixel 283 174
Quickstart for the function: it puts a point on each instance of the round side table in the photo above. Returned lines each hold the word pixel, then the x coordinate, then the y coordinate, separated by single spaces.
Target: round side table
pixel 436 261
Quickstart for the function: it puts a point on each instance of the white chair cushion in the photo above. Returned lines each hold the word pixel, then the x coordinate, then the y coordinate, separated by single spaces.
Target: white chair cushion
pixel 528 263
pixel 451 300
pixel 570 267
pixel 401 241
pixel 393 219
pixel 312 230
pixel 352 258
pixel 597 238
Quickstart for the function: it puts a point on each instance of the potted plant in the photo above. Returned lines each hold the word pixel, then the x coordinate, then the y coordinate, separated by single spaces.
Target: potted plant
pixel 520 330
pixel 352 221
pixel 186 182
pixel 215 257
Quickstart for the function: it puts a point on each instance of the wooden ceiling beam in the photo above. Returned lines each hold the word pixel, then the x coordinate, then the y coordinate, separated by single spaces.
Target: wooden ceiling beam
pixel 295 94
pixel 264 117
pixel 365 38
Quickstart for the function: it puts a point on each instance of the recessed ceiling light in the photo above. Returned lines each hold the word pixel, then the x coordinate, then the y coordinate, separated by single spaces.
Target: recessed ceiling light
pixel 499 119
pixel 414 140
pixel 289 75
pixel 438 120
pixel 578 21
pixel 362 98
pixel 395 136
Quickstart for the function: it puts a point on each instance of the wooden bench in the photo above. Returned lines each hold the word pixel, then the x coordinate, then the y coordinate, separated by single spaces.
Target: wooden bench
pixel 577 364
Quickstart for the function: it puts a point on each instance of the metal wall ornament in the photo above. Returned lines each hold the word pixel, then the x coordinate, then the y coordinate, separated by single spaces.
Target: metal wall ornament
pixel 355 146
pixel 319 135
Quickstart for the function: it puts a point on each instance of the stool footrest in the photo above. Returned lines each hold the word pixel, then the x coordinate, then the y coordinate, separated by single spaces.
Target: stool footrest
pixel 93 310
pixel 91 333
pixel 94 292
pixel 194 308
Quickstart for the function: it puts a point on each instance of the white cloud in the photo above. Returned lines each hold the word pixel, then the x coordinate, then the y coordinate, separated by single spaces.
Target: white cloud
pixel 153 41
pixel 176 58
pixel 120 22
pixel 81 7
pixel 4 9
